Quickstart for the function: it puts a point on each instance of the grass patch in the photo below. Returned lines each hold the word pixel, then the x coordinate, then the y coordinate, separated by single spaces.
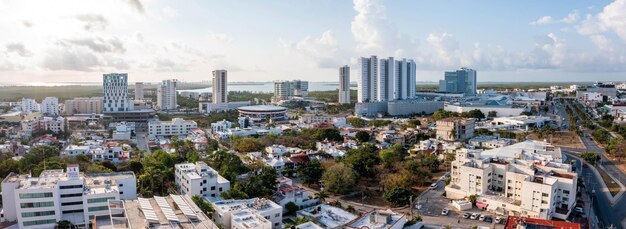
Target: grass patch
pixel 613 187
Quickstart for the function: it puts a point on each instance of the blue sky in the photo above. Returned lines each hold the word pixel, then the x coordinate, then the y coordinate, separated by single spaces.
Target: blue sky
pixel 278 40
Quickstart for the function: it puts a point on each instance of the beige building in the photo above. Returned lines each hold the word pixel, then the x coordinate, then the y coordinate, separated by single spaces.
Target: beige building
pixel 527 179
pixel 455 129
pixel 91 105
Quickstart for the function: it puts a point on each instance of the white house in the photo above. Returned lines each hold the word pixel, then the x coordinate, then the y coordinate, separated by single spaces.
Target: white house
pixel 200 179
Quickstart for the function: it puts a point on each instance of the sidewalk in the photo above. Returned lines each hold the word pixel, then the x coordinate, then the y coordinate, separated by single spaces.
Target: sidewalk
pixel 605 189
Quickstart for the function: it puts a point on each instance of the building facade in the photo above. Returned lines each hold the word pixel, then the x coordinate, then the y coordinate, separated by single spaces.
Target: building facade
pixel 83 106
pixel 29 105
pixel 287 89
pixel 344 84
pixel 139 91
pixel 459 81
pixel 220 83
pixel 176 127
pixel 115 89
pixel 166 95
pixel 50 106
pixel 455 128
pixel 200 179
pixel 368 80
pixel 40 202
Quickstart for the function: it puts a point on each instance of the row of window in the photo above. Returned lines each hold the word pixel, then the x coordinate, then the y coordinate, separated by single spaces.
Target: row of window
pixel 37 204
pixel 100 200
pixel 35 214
pixel 35 195
pixel 101 208
pixel 71 186
pixel 71 195
pixel 39 222
pixel 71 203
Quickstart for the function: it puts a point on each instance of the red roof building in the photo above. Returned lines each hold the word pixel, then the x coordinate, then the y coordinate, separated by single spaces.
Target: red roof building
pixel 514 222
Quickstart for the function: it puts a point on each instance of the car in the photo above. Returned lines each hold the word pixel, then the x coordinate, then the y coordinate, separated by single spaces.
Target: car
pixel 579 210
pixel 482 218
pixel 488 219
pixel 498 219
pixel 434 185
pixel 445 211
pixel 474 216
pixel 466 215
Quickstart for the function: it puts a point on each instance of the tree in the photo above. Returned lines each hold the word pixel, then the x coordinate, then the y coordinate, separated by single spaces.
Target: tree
pixel 356 122
pixel 37 155
pixel 311 172
pixel 321 196
pixel 482 131
pixel 492 114
pixel 415 122
pixel 204 205
pixel 234 193
pixel 441 114
pixel 472 199
pixel 476 113
pixel 364 159
pixel 8 166
pixel 261 185
pixel 362 136
pixel 617 147
pixel 193 157
pixel 601 135
pixel 247 144
pixel 339 178
pixel 398 196
pixel 327 133
pixel 391 155
pixel 291 208
pixel 64 224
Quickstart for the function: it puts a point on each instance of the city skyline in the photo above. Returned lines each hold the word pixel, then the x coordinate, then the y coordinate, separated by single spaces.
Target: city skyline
pixel 536 41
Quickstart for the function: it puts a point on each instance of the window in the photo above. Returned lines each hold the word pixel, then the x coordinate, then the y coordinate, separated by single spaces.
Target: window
pixel 35 214
pixel 565 191
pixel 71 195
pixel 35 195
pixel 37 204
pixel 71 186
pixel 277 215
pixel 544 194
pixel 121 185
pixel 39 222
pixel 212 187
pixel 100 200
pixel 73 211
pixel 101 208
pixel 72 203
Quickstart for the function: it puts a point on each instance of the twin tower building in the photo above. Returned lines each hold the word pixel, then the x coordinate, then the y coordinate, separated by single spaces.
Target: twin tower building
pixel 385 79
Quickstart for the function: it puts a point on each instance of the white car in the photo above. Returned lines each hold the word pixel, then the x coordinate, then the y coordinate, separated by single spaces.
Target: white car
pixel 434 186
pixel 498 220
pixel 482 218
pixel 445 211
pixel 579 210
pixel 474 216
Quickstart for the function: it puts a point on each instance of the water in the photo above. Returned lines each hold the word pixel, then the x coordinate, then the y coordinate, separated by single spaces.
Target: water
pixel 268 87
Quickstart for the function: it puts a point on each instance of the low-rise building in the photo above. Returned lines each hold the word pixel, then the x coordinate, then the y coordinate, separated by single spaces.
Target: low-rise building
pixel 327 216
pixel 221 126
pixel 42 124
pixel 200 179
pixel 226 211
pixel 528 179
pixel 40 202
pixel 490 142
pixel 516 222
pixel 455 129
pixel 521 122
pixel 379 219
pixel 176 127
pixel 83 106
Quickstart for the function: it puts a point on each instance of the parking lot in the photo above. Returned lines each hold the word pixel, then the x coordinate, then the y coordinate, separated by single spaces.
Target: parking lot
pixel 431 204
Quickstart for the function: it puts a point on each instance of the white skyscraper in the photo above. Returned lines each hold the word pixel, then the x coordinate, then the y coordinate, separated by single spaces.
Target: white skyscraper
pixel 344 84
pixel 387 81
pixel 50 106
pixel 368 79
pixel 166 95
pixel 406 79
pixel 139 91
pixel 115 90
pixel 220 81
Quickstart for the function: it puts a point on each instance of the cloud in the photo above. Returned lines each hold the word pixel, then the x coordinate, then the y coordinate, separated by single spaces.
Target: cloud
pixel 71 59
pixel 542 21
pixel 571 18
pixel 19 49
pixel 219 37
pixel 98 44
pixel 27 23
pixel 611 19
pixel 137 5
pixel 373 32
pixel 93 21
pixel 169 11
pixel 323 51
pixel 602 42
pixel 168 65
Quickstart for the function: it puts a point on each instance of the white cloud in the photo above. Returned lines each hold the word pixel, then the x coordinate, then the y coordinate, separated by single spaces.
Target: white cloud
pixel 137 5
pixel 542 21
pixel 602 42
pixel 93 21
pixel 220 38
pixel 19 49
pixel 611 19
pixel 323 51
pixel 571 17
pixel 169 11
pixel 373 32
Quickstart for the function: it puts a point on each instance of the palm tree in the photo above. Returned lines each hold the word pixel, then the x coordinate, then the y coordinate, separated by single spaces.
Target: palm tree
pixel 321 196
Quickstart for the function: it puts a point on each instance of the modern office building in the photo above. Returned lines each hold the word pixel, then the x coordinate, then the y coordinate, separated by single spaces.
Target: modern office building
pixel 40 202
pixel 294 88
pixel 220 90
pixel 344 84
pixel 139 91
pixel 115 89
pixel 200 179
pixel 527 179
pixel 91 105
pixel 50 106
pixel 459 81
pixel 166 95
pixel 29 105
pixel 176 127
pixel 368 80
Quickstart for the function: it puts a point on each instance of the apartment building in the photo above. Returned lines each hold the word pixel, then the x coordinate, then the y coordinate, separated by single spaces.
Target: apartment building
pixel 41 124
pixel 40 202
pixel 29 105
pixel 176 127
pixel 200 179
pixel 166 95
pixel 91 105
pixel 227 211
pixel 50 106
pixel 528 179
pixel 455 129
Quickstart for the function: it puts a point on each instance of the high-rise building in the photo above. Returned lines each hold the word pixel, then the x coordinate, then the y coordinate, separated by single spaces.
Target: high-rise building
pixel 29 105
pixel 50 106
pixel 387 82
pixel 286 89
pixel 368 79
pixel 344 84
pixel 406 78
pixel 459 81
pixel 115 90
pixel 220 81
pixel 166 95
pixel 139 91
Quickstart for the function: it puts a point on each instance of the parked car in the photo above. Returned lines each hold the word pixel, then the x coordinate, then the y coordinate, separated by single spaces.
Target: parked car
pixel 488 219
pixel 498 219
pixel 482 218
pixel 466 215
pixel 474 216
pixel 434 186
pixel 445 211
pixel 579 210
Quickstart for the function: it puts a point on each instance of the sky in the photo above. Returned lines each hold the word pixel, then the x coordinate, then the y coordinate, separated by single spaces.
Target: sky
pixel 152 40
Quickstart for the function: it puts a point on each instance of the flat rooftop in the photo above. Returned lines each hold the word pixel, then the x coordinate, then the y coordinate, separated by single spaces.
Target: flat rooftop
pixel 137 218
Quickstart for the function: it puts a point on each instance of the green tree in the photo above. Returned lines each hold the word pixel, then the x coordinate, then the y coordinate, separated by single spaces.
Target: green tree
pixel 590 157
pixel 247 144
pixel 441 114
pixel 291 208
pixel 362 136
pixel 356 122
pixel 363 158
pixel 415 122
pixel 391 155
pixel 8 166
pixel 311 172
pixel 492 114
pixel 472 199
pixel 234 193
pixel 204 205
pixel 261 185
pixel 398 196
pixel 228 165
pixel 331 134
pixel 476 113
pixel 64 224
pixel 339 178
pixel 193 157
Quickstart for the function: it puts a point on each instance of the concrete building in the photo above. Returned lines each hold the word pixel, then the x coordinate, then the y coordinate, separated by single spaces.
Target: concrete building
pixel 397 108
pixel 219 86
pixel 176 127
pixel 221 126
pixel 115 90
pixel 327 216
pixel 29 105
pixel 207 108
pixel 83 106
pixel 40 202
pixel 527 179
pixel 405 76
pixel 521 122
pixel 379 219
pixel 288 89
pixel 459 81
pixel 263 113
pixel 490 142
pixel 166 95
pixel 50 106
pixel 367 80
pixel 139 91
pixel 455 129
pixel 249 220
pixel 200 179
pixel 344 84
pixel 227 211
pixel 387 81
pixel 42 124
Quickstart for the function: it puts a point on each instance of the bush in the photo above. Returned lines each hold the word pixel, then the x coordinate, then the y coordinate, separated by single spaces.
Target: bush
pixel 398 196
pixel 339 178
pixel 291 208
